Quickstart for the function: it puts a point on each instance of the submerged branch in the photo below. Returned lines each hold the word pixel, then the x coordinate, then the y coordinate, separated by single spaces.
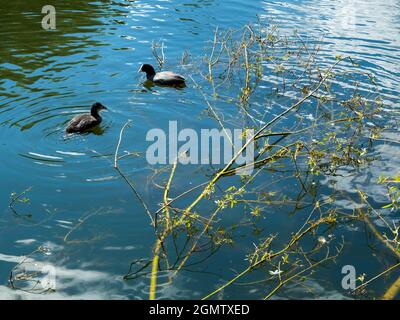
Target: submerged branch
pixel 130 184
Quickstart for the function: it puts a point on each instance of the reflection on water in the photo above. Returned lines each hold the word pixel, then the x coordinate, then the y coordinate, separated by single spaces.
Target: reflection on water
pixel 46 77
pixel 32 278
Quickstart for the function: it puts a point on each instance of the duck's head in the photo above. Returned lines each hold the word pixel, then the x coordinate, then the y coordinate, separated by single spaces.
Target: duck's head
pixel 96 107
pixel 148 69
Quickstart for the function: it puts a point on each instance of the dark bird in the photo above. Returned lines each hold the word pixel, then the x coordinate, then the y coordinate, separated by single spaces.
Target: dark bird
pixel 84 122
pixel 166 78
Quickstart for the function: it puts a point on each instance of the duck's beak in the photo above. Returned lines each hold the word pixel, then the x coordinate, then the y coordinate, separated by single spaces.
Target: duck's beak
pixel 105 108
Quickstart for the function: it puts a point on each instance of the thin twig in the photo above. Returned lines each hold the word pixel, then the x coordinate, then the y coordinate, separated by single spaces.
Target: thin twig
pixel 130 184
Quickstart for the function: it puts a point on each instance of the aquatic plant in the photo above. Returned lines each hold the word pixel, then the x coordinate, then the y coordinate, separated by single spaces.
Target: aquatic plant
pixel 331 127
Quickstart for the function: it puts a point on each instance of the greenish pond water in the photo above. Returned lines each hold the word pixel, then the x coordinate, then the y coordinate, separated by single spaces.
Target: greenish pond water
pixel 46 77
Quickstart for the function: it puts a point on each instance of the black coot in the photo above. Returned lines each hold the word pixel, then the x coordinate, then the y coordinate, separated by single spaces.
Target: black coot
pixel 166 78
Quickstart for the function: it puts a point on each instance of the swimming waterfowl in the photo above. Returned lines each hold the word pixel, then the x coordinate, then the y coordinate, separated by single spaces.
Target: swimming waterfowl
pixel 166 78
pixel 84 122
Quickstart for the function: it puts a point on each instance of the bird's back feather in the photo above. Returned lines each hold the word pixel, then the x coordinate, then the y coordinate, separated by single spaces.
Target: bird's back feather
pixel 82 123
pixel 168 77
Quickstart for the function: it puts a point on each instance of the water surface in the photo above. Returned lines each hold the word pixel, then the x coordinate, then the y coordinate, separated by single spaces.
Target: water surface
pixel 48 76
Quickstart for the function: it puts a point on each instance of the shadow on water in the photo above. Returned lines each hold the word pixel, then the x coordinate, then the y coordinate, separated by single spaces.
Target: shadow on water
pixel 98 131
pixel 28 47
pixel 149 85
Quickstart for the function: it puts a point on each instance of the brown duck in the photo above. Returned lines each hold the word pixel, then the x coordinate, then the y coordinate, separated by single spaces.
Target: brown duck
pixel 85 122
